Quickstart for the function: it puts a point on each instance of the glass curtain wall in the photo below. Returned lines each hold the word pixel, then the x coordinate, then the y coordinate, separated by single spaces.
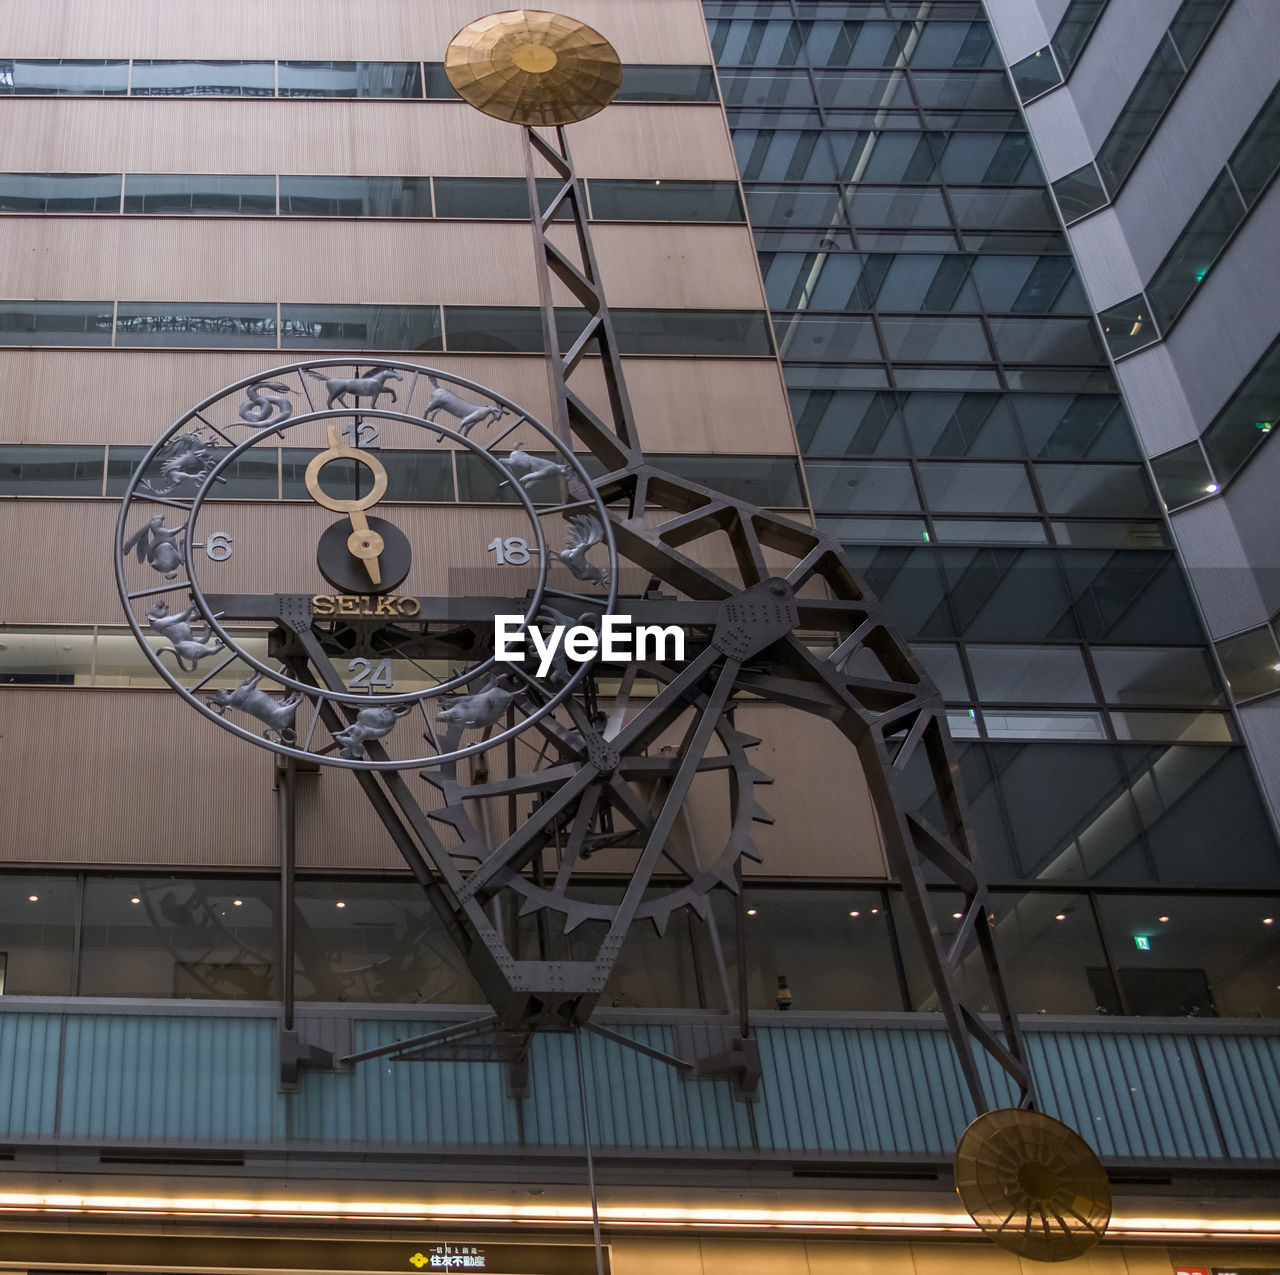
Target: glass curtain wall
pixel 964 437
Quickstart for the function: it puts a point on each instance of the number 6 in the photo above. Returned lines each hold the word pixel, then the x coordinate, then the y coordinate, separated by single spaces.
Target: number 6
pixel 218 546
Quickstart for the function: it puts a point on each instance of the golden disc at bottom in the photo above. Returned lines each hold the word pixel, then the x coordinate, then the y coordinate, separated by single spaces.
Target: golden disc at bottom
pixel 529 67
pixel 1033 1185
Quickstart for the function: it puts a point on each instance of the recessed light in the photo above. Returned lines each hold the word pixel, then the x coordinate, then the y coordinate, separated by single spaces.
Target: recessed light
pixel 135 899
pixel 855 913
pixel 339 904
pixel 33 898
pixel 1268 920
pixel 1212 489
pixel 955 916
pixel 1062 916
pixel 237 903
pixel 1162 919
pixel 875 911
pixel 751 911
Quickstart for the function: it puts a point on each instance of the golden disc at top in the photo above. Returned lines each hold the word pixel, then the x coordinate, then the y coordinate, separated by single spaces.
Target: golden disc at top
pixel 529 67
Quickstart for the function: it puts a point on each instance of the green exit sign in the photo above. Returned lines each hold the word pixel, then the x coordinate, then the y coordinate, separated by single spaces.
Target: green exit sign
pixel 1142 943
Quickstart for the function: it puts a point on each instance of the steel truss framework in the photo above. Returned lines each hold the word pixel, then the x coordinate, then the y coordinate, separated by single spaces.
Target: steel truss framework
pixel 789 623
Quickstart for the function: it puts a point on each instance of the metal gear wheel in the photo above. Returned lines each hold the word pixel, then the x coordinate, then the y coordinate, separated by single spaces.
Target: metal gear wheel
pixel 613 811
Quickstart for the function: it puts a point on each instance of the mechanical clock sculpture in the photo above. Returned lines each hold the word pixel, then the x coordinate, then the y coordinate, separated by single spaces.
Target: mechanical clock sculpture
pixel 503 789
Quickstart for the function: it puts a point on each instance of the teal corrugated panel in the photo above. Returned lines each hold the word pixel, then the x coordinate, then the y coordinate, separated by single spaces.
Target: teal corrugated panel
pixel 1131 1095
pixel 29 1074
pixel 1243 1076
pixel 167 1079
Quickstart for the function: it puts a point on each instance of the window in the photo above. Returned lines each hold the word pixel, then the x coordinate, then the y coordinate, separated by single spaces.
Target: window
pixel 60 192
pixel 179 937
pixel 364 327
pixel 29 469
pixel 350 79
pixel 195 323
pixel 771 481
pixel 664 201
pixel 153 78
pixel 67 77
pixel 355 196
pixel 1030 675
pixel 1202 957
pixel 154 193
pixel 483 328
pixel 55 323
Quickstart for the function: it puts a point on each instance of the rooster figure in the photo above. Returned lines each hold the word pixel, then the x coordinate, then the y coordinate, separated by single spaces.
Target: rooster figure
pixel 585 532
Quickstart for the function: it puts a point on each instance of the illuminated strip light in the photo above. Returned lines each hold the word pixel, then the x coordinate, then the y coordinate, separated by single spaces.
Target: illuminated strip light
pixel 422 1213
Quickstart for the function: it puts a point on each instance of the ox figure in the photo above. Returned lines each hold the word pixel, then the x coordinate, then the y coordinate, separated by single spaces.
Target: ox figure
pixel 370 723
pixel 275 714
pixel 472 712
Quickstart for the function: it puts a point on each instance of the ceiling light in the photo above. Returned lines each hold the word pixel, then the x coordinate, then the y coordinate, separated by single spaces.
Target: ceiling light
pixel 1268 920
pixel 1213 489
pixel 237 903
pixel 751 911
pixel 135 899
pixel 855 913
pixel 1162 918
pixel 955 916
pixel 33 898
pixel 1062 916
pixel 339 904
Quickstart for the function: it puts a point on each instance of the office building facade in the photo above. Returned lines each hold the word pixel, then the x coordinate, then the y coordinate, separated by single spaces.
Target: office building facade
pixel 965 288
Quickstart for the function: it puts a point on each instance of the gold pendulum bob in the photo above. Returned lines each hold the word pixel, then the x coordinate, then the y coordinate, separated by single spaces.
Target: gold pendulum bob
pixel 529 67
pixel 1033 1185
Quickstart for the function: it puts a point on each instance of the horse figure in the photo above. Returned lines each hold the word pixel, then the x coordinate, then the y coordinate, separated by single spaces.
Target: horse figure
pixel 371 386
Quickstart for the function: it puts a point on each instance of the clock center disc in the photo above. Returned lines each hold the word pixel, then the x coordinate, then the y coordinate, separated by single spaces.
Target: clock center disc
pixel 349 573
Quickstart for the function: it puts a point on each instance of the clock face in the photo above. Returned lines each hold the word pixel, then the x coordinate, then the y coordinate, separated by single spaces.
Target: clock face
pixel 316 558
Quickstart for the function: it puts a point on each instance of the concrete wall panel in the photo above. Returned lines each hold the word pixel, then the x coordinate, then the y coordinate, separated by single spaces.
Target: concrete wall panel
pixel 150 135
pixel 642 30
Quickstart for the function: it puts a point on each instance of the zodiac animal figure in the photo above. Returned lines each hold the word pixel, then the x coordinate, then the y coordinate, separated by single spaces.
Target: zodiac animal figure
pixel 531 469
pixel 585 532
pixel 371 386
pixel 187 458
pixel 184 646
pixel 469 414
pixel 158 546
pixel 259 408
pixel 275 714
pixel 483 708
pixel 370 723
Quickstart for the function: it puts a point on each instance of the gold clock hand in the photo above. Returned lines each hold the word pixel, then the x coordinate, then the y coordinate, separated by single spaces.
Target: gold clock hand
pixel 363 543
